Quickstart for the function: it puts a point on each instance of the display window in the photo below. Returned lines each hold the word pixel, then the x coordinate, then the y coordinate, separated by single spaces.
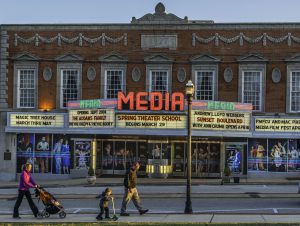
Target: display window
pixel 46 152
pixel 257 155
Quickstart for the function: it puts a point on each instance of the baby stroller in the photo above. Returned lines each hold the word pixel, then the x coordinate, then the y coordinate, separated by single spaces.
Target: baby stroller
pixel 52 206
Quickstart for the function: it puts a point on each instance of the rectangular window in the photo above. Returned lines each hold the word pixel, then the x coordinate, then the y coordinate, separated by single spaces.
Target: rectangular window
pixel 26 88
pixel 295 90
pixel 159 81
pixel 114 83
pixel 252 89
pixel 70 79
pixel 204 85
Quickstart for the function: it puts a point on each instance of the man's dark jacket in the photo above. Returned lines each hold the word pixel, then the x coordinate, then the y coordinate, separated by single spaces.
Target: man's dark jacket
pixel 130 179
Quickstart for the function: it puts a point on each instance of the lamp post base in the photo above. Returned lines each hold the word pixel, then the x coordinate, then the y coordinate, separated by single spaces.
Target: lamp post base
pixel 188 207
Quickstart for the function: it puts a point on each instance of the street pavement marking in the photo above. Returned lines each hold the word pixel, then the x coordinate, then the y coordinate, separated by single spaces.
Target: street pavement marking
pixel 275 210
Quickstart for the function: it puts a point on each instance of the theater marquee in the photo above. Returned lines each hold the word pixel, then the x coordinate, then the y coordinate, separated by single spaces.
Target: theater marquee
pixel 151 121
pixel 277 125
pixel 92 118
pixel 221 120
pixel 36 120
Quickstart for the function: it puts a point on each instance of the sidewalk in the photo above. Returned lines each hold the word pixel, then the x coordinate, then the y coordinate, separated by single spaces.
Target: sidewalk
pixel 118 181
pixel 164 218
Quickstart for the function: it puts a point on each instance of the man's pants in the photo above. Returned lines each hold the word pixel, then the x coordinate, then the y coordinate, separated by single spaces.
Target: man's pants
pixel 44 164
pixel 29 199
pixel 128 196
pixel 102 210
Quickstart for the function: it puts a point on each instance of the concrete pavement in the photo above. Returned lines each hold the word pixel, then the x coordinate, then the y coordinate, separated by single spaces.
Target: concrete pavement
pixel 164 218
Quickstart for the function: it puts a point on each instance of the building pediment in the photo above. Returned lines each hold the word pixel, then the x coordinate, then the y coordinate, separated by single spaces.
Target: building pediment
pixel 113 58
pixel 159 17
pixel 69 57
pixel 200 59
pixel 158 58
pixel 295 58
pixel 252 58
pixel 26 57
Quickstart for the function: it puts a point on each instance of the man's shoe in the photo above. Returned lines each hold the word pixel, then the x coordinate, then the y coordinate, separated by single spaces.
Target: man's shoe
pixel 124 214
pixel 99 218
pixel 143 211
pixel 16 217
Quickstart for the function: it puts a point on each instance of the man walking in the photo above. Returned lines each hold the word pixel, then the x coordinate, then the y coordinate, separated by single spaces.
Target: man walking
pixel 131 191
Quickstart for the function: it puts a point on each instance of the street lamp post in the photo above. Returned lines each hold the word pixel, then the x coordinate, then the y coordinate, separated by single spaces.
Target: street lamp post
pixel 189 91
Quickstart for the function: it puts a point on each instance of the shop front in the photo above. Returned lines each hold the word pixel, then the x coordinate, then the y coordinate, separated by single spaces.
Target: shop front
pixel 102 134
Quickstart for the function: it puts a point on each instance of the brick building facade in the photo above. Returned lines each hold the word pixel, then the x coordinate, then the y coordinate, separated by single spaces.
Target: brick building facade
pixel 44 66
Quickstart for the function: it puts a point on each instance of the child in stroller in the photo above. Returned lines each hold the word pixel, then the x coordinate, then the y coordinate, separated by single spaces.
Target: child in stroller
pixel 52 206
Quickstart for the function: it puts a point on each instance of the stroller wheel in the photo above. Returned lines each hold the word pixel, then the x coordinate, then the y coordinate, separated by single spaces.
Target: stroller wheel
pixel 46 214
pixel 40 215
pixel 62 214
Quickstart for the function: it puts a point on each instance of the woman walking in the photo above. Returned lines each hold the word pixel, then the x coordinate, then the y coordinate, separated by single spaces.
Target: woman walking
pixel 26 182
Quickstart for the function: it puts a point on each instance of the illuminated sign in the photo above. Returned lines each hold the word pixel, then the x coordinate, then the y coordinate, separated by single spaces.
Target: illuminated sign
pixel 221 105
pixel 36 120
pixel 151 121
pixel 90 118
pixel 158 101
pixel 220 120
pixel 97 103
pixel 277 124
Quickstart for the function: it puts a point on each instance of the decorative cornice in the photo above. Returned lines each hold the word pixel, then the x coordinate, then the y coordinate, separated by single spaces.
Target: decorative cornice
pixel 294 59
pixel 69 57
pixel 204 59
pixel 158 58
pixel 252 58
pixel 113 58
pixel 159 17
pixel 25 57
pixel 241 38
pixel 37 39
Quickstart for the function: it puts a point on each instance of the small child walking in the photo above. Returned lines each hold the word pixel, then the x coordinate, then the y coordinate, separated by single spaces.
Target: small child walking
pixel 105 197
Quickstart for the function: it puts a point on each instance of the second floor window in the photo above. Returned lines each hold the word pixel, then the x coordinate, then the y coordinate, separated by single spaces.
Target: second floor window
pixel 114 83
pixel 204 84
pixel 69 85
pixel 158 81
pixel 26 88
pixel 295 91
pixel 252 89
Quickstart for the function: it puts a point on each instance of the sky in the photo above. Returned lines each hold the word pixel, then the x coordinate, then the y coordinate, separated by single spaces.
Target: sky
pixel 122 11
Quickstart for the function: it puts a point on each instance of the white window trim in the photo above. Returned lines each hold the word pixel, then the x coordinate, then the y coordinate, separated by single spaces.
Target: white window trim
pixel 261 67
pixel 207 67
pixel 60 68
pixel 260 87
pixel 25 66
pixel 159 67
pixel 105 79
pixel 158 70
pixel 289 90
pixel 213 82
pixel 110 67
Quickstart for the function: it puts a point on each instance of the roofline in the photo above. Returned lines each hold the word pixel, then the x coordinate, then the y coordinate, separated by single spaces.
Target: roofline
pixel 178 26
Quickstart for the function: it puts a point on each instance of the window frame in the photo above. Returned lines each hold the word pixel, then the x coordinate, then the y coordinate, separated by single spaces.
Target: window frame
pixel 112 67
pixel 159 67
pixel 213 82
pixel 260 87
pixel 60 68
pixel 17 68
pixel 290 69
pixel 244 67
pixel 150 79
pixel 213 67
